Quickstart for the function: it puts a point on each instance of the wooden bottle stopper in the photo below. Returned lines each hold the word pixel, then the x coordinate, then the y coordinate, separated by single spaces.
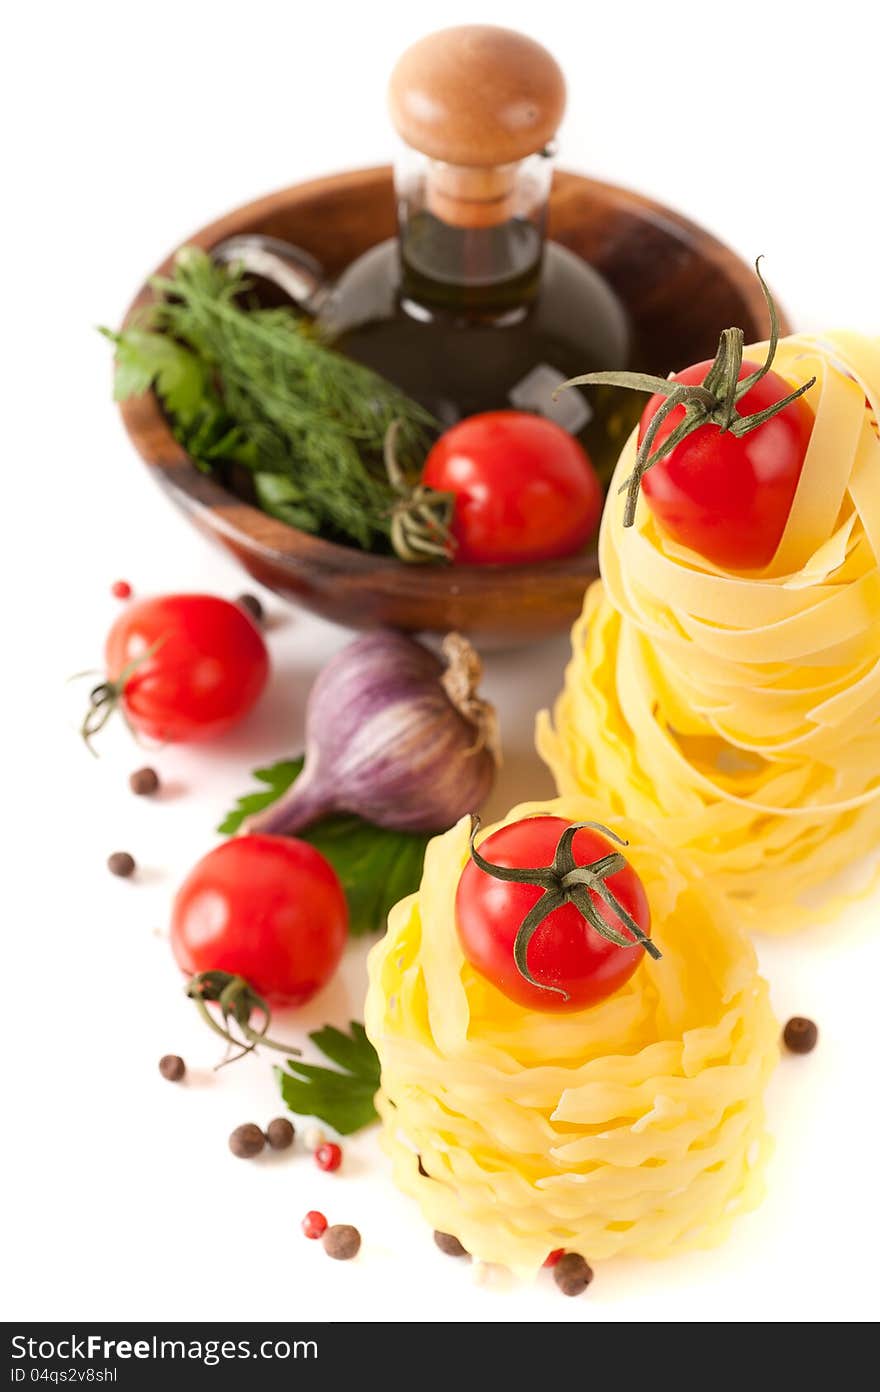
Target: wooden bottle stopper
pixel 476 99
pixel 468 196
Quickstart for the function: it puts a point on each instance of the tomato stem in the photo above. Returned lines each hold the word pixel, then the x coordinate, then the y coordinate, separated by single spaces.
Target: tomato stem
pixel 566 882
pixel 714 401
pixel 106 696
pixel 237 1001
pixel 421 519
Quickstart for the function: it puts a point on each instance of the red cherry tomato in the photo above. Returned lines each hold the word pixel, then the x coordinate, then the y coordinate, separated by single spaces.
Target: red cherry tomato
pixel 267 908
pixel 565 952
pixel 525 490
pixel 728 498
pixel 207 669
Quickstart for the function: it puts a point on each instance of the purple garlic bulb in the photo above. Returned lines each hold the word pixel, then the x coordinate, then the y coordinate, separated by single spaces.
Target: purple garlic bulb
pixel 395 735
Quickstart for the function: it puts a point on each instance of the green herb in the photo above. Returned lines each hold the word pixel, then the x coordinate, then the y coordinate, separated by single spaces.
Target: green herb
pixel 143 359
pixel 278 778
pixel 183 381
pixel 376 867
pixel 344 1099
pixel 258 387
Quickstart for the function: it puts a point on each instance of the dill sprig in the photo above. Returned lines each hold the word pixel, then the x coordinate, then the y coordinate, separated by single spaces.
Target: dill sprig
pixel 258 387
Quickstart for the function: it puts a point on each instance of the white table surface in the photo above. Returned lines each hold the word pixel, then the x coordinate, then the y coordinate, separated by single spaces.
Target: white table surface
pixel 130 127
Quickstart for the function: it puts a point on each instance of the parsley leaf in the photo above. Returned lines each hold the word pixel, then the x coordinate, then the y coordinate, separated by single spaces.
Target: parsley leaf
pixel 199 419
pixel 344 1099
pixel 278 779
pixel 376 867
pixel 144 358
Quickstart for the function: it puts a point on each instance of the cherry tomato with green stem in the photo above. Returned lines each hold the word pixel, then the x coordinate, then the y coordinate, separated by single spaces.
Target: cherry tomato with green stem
pixel 726 497
pixel 182 667
pixel 572 964
pixel 525 490
pixel 269 909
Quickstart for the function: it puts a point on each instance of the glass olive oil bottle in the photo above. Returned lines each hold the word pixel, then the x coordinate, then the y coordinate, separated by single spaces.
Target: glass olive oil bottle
pixel 470 308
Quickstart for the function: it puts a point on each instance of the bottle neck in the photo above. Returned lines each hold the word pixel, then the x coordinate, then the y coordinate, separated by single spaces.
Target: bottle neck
pixel 471 239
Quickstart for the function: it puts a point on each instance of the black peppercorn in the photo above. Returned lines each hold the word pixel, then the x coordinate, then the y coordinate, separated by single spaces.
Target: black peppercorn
pixel 246 1141
pixel 342 1242
pixel 252 606
pixel 121 863
pixel 572 1274
pixel 280 1133
pixel 144 782
pixel 800 1035
pixel 172 1067
pixel 450 1245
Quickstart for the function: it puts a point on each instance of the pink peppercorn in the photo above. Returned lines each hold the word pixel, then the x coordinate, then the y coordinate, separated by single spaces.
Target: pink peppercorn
pixel 328 1156
pixel 314 1224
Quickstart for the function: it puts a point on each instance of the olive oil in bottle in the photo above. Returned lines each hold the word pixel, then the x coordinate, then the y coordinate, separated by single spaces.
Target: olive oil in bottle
pixel 470 308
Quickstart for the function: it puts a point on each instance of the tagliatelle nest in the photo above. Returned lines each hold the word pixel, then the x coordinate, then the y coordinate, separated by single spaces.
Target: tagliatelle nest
pixel 636 1126
pixel 740 715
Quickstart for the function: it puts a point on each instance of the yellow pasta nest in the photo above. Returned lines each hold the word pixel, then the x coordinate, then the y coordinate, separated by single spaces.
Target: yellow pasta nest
pixel 636 1126
pixel 740 715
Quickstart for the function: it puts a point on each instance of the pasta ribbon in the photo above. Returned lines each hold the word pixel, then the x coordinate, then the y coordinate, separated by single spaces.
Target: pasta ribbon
pixel 636 1126
pixel 740 714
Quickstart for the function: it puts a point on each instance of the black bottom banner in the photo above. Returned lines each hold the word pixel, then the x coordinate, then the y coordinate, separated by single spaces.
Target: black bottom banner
pixel 275 1355
pixel 267 1356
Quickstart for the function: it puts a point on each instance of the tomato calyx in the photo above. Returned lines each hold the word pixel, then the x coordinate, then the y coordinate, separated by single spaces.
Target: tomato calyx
pixel 714 401
pixel 566 882
pixel 107 695
pixel 238 1001
pixel 421 518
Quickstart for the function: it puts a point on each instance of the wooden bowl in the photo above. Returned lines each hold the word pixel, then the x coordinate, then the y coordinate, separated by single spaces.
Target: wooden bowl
pixel 657 262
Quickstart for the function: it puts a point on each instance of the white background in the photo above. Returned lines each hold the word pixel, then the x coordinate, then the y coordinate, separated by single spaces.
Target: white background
pixel 125 126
